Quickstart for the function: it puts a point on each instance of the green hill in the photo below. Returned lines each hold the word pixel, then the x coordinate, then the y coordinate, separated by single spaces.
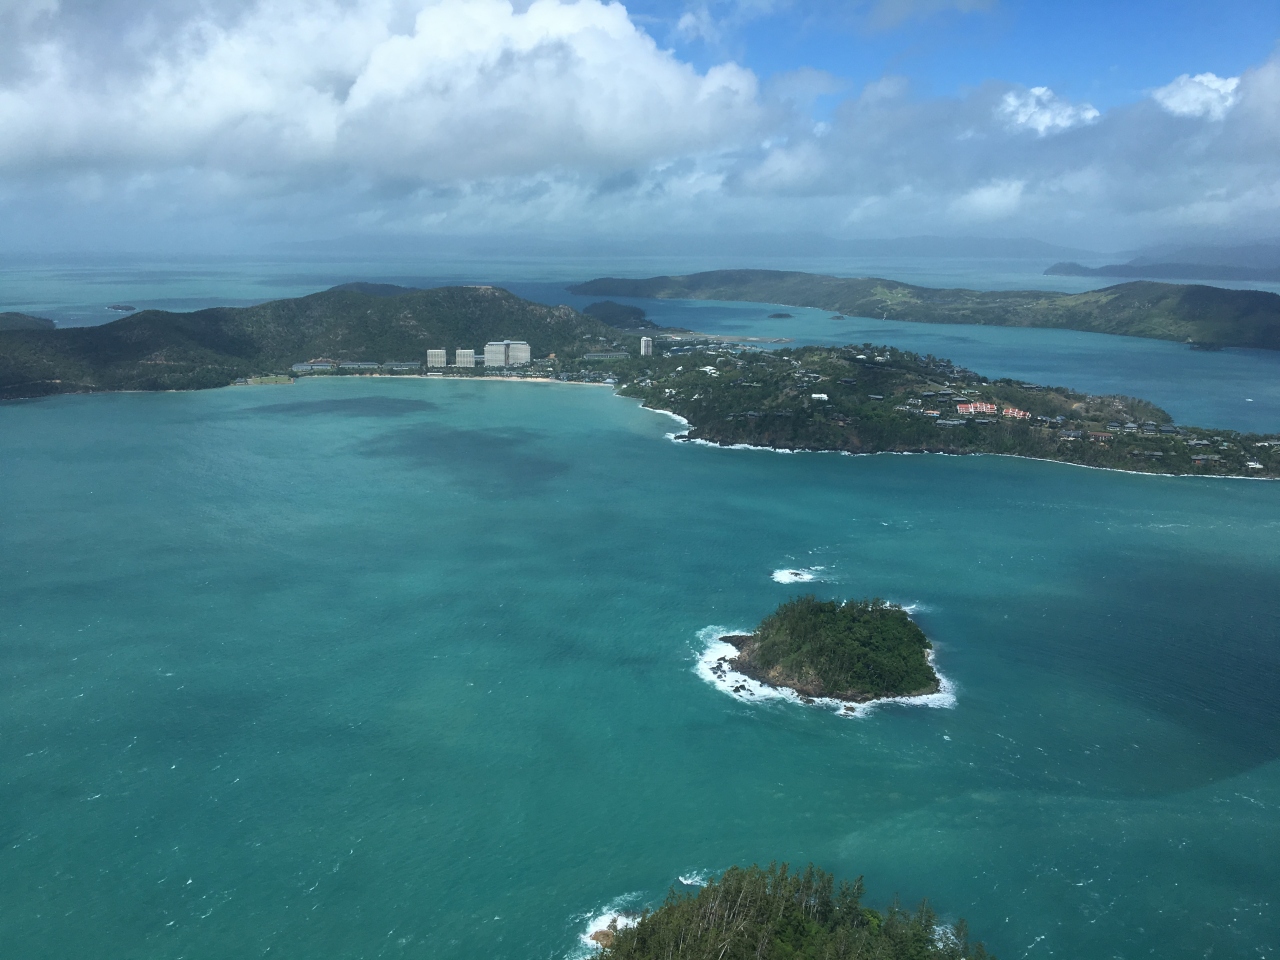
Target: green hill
pixel 21 321
pixel 856 651
pixel 1163 311
pixel 157 350
pixel 773 913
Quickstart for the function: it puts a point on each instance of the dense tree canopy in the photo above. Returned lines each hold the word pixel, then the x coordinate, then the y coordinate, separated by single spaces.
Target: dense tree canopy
pixel 865 647
pixel 774 914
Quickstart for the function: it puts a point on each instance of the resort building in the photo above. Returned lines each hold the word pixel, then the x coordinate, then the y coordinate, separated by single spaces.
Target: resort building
pixel 1015 413
pixel 646 346
pixel 506 353
pixel 437 358
pixel 358 365
pixel 464 358
pixel 977 408
pixel 402 366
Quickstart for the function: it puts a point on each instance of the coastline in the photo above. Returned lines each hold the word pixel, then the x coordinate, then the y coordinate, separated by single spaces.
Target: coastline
pixel 712 666
pixel 674 438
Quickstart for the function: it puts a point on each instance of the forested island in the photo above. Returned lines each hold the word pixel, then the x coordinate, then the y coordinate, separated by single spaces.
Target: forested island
pixel 752 913
pixel 1164 311
pixel 874 399
pixel 856 651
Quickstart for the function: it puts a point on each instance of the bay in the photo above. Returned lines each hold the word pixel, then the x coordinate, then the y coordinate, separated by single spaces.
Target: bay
pixel 406 668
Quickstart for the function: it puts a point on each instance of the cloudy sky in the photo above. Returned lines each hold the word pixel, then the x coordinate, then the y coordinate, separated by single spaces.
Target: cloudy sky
pixel 228 124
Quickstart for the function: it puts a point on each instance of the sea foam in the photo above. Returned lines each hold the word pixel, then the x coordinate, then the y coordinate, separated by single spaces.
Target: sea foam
pixel 797 575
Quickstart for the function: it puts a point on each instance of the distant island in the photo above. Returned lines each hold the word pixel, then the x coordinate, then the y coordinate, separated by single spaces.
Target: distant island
pixel 1167 271
pixel 620 315
pixel 1199 314
pixel 856 651
pixel 757 912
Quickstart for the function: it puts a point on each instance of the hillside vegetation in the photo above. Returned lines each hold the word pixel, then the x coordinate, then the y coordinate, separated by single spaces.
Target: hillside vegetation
pixel 158 350
pixel 859 650
pixel 21 321
pixel 1163 311
pixel 871 399
pixel 755 913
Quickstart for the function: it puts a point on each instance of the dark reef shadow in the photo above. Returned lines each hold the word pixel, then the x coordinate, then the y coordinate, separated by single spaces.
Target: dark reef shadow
pixel 494 461
pixel 347 407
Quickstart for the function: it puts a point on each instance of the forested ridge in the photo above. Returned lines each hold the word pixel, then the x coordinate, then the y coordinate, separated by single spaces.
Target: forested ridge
pixel 1163 311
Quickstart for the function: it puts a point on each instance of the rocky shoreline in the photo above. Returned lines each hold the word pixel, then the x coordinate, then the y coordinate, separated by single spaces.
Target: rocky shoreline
pixel 810 690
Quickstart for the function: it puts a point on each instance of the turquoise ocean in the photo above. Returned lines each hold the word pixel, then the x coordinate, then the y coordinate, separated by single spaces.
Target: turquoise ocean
pixel 406 668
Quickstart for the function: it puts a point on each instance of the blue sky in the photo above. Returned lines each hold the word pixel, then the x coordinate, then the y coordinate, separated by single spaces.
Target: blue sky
pixel 1110 53
pixel 233 123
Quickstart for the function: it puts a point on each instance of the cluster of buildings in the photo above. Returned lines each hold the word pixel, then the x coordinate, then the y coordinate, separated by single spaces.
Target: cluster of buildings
pixel 497 353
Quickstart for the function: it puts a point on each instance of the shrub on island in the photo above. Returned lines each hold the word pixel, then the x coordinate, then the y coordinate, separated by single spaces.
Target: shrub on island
pixel 754 912
pixel 858 651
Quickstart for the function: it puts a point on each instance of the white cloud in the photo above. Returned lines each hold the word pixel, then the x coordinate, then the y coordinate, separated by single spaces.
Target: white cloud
pixel 1043 111
pixel 1204 95
pixel 459 88
pixel 991 201
pixel 324 117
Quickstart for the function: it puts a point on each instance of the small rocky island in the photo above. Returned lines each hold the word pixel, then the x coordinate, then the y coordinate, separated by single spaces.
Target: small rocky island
pixel 856 651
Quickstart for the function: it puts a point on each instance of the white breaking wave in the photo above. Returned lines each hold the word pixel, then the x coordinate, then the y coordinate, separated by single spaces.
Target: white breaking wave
pixel 797 575
pixel 714 666
pixel 596 923
pixel 698 878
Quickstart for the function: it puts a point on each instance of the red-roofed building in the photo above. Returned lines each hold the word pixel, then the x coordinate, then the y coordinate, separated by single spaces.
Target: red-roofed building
pixel 1016 414
pixel 977 407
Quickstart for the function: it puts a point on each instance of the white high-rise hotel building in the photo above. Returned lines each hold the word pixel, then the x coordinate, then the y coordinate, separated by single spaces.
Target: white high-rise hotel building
pixel 506 353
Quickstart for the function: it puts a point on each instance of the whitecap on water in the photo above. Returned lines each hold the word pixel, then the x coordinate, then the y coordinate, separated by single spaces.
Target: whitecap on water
pixel 797 575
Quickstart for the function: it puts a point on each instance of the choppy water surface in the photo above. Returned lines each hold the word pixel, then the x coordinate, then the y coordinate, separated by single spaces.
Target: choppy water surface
pixel 408 669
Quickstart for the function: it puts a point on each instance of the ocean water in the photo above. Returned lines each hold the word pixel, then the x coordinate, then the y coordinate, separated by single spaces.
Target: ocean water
pixel 406 668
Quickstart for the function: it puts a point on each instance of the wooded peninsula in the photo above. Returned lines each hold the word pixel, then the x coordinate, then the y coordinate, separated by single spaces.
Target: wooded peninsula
pixel 875 399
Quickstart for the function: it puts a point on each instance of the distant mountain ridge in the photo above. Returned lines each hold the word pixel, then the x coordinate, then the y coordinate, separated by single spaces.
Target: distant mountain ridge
pixel 1166 271
pixel 158 350
pixel 1199 314
pixel 1244 263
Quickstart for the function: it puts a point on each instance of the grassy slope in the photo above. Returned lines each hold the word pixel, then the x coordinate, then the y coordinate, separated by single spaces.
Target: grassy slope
pixel 1243 318
pixel 155 350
